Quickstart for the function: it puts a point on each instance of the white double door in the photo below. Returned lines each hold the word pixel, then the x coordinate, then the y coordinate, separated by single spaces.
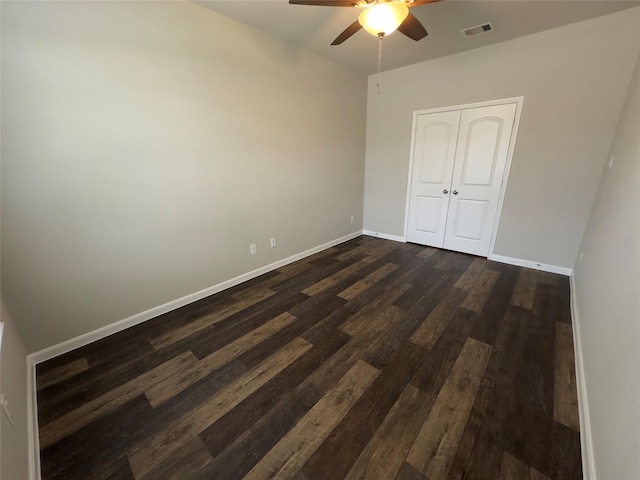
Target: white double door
pixel 458 166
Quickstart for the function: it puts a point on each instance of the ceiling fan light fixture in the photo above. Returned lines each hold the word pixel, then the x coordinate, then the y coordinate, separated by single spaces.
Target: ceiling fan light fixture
pixel 382 19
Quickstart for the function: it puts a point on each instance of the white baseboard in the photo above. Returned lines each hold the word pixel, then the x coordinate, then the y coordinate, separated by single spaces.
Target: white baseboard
pixel 497 258
pixel 32 422
pixel 533 265
pixel 118 326
pixel 586 442
pixel 386 236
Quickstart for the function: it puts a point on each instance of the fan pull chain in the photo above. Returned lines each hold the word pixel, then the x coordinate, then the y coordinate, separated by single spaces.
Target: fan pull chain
pixel 379 62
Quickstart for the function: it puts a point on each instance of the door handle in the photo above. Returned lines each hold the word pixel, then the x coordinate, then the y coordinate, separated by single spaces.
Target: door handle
pixel 455 192
pixel 445 191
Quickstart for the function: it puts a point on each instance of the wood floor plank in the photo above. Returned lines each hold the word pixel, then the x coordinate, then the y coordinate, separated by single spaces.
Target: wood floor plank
pixel 91 453
pixel 205 322
pixel 61 373
pixel 442 357
pixel 434 286
pixel 514 469
pixel 68 395
pixel 320 270
pixel 481 289
pixel 330 252
pixel 383 456
pixel 360 286
pixel 516 392
pixel 433 451
pixel 245 289
pixel 123 472
pixel 565 401
pixel 525 290
pixel 345 358
pixel 169 387
pixel 551 279
pixel 294 268
pixel 212 339
pixel 374 249
pixel 317 306
pixel 457 263
pixel 119 349
pixel 407 472
pixel 158 448
pixel 289 455
pixel 356 312
pixel 245 451
pixel 396 338
pixel 488 321
pixel 96 451
pixel 187 461
pixel 360 322
pixel 535 384
pixel 249 412
pixel 561 463
pixel 306 320
pixel 72 421
pixel 427 252
pixel 489 429
pixel 340 275
pixel 430 330
pixel 339 452
pixel 359 251
pixel 468 279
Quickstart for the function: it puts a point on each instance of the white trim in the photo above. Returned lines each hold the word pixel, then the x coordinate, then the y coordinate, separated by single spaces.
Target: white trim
pixel 519 262
pixel 412 147
pixel 32 421
pixel 118 326
pixel 586 442
pixel 519 101
pixel 465 106
pixel 386 236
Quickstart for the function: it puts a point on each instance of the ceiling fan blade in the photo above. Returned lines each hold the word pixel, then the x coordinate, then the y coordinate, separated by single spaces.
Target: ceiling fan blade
pixel 350 30
pixel 412 28
pixel 416 3
pixel 324 3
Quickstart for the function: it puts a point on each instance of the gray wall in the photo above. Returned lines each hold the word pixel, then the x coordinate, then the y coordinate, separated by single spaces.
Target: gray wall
pixel 13 384
pixel 146 145
pixel 573 80
pixel 607 302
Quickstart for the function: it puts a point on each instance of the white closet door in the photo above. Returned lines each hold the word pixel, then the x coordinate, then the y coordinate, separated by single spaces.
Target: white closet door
pixel 433 156
pixel 480 160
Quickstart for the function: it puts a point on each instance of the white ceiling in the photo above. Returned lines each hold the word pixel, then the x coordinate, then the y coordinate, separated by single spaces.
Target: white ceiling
pixel 314 28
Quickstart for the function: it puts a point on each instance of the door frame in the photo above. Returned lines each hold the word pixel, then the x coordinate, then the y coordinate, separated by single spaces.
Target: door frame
pixel 519 101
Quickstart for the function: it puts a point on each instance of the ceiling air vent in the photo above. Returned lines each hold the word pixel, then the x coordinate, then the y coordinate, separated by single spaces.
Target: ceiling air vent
pixel 478 30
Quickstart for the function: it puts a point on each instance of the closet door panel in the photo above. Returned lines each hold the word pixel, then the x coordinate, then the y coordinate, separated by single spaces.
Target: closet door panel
pixel 480 161
pixel 432 169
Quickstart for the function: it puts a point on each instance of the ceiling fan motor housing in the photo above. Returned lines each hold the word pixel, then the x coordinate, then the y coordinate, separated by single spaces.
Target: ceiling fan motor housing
pixel 378 17
pixel 383 18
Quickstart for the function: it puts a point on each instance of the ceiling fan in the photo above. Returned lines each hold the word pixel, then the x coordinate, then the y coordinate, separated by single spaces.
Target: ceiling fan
pixel 378 17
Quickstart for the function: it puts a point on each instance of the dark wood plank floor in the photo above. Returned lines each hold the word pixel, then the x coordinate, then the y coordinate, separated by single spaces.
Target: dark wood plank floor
pixel 370 360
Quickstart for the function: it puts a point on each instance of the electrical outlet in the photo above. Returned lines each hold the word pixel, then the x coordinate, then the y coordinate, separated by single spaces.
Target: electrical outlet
pixel 253 249
pixel 352 218
pixel 274 244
